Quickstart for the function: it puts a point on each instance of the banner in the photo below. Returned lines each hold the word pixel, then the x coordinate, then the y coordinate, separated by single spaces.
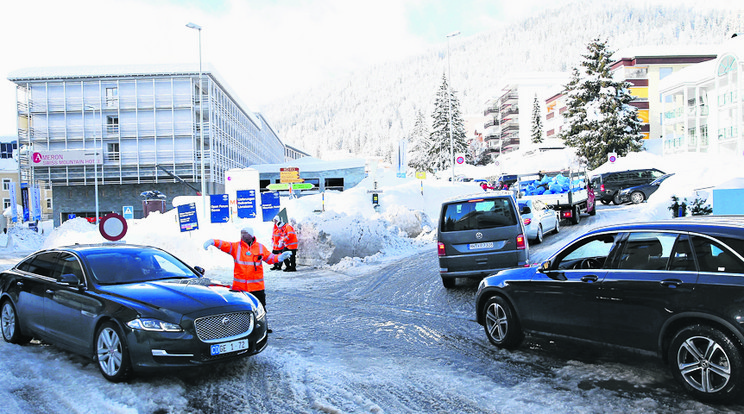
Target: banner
pixel 269 205
pixel 13 202
pixel 246 203
pixel 187 217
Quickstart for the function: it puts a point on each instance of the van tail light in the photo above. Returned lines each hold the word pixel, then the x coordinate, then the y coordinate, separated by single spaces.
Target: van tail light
pixel 567 214
pixel 601 188
pixel 521 245
pixel 527 221
pixel 440 248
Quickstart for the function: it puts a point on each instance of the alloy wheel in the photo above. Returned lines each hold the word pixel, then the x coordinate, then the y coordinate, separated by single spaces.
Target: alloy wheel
pixel 497 322
pixel 704 364
pixel 109 350
pixel 8 321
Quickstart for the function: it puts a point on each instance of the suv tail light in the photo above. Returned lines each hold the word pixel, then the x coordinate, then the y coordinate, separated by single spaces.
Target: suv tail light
pixel 521 245
pixel 601 188
pixel 440 248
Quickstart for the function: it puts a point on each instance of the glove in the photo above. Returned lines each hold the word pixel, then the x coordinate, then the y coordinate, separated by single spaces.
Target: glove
pixel 284 256
pixel 208 243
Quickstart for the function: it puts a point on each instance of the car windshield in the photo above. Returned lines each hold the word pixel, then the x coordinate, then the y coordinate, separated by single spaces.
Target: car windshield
pixel 135 265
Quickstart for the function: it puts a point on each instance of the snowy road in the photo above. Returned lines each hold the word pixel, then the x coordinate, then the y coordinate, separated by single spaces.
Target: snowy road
pixel 386 340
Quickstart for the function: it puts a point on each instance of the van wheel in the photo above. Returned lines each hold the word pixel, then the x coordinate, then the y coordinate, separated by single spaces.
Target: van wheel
pixel 449 283
pixel 616 199
pixel 707 363
pixel 557 226
pixel 576 219
pixel 605 202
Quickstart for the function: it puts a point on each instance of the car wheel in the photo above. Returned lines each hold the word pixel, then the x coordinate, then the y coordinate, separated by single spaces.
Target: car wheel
pixel 616 199
pixel 449 283
pixel 637 197
pixel 605 202
pixel 540 235
pixel 11 328
pixel 112 353
pixel 707 363
pixel 557 226
pixel 502 327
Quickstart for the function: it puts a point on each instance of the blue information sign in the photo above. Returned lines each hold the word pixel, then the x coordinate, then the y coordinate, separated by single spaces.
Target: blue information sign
pixel 128 212
pixel 187 217
pixel 269 205
pixel 246 201
pixel 219 206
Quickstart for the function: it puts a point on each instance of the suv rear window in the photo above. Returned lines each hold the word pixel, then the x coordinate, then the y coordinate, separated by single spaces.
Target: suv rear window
pixel 478 214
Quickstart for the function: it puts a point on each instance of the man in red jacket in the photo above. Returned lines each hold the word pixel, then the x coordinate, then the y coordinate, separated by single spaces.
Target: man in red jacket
pixel 289 240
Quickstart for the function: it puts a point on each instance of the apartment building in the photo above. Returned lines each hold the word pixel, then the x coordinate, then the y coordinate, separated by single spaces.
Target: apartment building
pixel 703 104
pixel 147 122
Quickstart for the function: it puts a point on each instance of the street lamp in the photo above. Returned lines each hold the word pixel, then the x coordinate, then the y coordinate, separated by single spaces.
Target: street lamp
pixel 449 104
pixel 95 157
pixel 201 122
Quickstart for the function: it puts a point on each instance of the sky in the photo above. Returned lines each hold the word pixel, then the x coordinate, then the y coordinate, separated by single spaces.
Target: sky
pixel 265 50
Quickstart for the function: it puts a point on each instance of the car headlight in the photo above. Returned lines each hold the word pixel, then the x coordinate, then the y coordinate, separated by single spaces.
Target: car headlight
pixel 260 311
pixel 154 325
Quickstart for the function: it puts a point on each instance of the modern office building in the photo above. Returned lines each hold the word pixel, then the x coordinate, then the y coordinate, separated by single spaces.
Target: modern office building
pixel 703 104
pixel 156 128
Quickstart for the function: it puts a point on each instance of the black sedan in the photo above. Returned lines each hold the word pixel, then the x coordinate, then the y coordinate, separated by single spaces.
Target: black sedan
pixel 130 308
pixel 641 193
pixel 674 287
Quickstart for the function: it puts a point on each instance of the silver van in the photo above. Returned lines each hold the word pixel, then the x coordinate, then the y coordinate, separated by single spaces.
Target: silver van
pixel 479 235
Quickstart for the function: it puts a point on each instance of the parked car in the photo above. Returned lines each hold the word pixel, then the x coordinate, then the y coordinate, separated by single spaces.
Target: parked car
pixel 131 308
pixel 479 235
pixel 675 287
pixel 607 186
pixel 641 193
pixel 538 218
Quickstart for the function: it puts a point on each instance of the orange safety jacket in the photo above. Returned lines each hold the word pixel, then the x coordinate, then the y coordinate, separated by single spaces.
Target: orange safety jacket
pixel 276 238
pixel 289 237
pixel 248 272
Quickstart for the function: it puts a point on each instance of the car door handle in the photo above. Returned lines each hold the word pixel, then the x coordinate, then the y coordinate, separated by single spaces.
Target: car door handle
pixel 49 291
pixel 19 284
pixel 671 283
pixel 589 278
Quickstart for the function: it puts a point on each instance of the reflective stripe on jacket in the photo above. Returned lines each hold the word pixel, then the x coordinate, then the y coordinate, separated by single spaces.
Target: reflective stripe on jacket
pixel 248 272
pixel 289 237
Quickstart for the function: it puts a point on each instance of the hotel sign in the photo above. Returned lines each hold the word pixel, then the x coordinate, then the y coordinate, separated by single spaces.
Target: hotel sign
pixel 66 158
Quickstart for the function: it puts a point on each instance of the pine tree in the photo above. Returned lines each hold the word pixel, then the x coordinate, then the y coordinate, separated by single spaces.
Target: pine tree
pixel 419 145
pixel 599 117
pixel 537 126
pixel 439 155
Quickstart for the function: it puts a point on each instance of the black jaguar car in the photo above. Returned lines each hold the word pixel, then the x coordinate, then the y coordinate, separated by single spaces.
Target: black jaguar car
pixel 674 287
pixel 130 308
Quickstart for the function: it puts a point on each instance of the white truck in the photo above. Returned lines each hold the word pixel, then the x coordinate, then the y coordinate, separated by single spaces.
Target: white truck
pixel 566 191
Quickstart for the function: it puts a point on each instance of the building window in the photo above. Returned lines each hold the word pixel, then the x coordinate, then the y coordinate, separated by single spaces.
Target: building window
pixel 49 203
pixel 664 72
pixel 6 203
pixel 112 96
pixel 113 152
pixel 6 149
pixel 6 184
pixel 112 124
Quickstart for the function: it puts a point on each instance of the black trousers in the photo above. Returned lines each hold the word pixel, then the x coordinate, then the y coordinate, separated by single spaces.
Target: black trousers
pixel 291 262
pixel 277 265
pixel 261 296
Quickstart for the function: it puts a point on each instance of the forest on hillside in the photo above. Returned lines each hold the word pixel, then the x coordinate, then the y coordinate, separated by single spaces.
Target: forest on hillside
pixel 367 113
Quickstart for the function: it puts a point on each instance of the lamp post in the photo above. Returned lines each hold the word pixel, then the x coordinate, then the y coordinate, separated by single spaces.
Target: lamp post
pixel 201 123
pixel 95 157
pixel 449 104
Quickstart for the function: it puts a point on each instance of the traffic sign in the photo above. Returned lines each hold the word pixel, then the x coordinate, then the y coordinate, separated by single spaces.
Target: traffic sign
pixel 302 186
pixel 278 187
pixel 285 186
pixel 290 175
pixel 112 227
pixel 128 212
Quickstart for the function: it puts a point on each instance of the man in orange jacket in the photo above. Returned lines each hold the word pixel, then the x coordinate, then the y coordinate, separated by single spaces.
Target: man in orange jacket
pixel 248 255
pixel 290 242
pixel 277 245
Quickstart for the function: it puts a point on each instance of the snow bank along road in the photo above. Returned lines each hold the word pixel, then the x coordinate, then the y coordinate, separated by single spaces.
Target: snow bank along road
pixel 385 340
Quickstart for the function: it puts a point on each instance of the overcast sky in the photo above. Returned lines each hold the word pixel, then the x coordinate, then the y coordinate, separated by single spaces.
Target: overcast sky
pixel 263 49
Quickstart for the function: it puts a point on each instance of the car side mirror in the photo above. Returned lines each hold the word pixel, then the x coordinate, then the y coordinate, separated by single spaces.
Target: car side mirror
pixel 544 266
pixel 526 210
pixel 200 270
pixel 69 279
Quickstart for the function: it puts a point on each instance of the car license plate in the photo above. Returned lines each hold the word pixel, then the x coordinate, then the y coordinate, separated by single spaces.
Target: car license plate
pixel 227 347
pixel 478 246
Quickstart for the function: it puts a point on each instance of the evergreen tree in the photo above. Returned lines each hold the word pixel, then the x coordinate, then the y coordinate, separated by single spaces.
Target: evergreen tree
pixel 439 153
pixel 599 117
pixel 478 151
pixel 419 145
pixel 537 125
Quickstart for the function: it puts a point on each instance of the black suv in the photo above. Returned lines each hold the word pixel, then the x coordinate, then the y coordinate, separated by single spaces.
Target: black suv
pixel 675 287
pixel 607 186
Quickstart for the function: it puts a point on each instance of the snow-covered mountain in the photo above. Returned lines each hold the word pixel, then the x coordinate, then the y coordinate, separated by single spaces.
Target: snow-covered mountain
pixel 367 113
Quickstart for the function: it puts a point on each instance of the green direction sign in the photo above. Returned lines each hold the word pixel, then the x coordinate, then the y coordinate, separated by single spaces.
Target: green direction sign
pixel 285 186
